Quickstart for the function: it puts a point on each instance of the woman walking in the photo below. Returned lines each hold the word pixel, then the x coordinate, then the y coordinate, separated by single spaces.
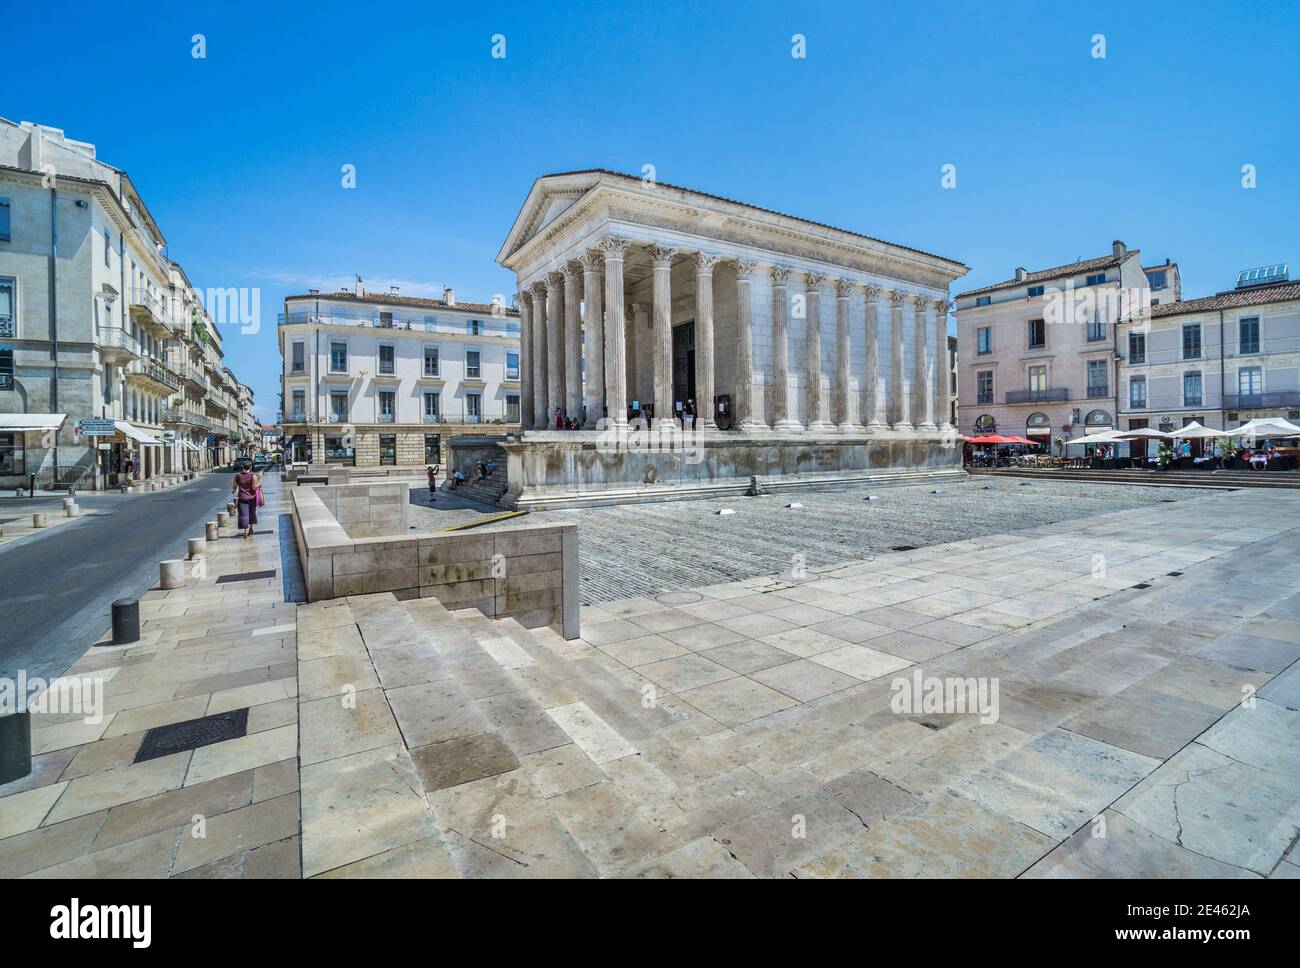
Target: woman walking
pixel 245 487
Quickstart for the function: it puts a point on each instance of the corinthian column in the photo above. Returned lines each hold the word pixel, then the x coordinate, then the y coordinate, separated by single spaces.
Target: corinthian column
pixel 593 325
pixel 663 331
pixel 781 353
pixel 922 374
pixel 572 343
pixel 704 264
pixel 898 379
pixel 943 375
pixel 873 402
pixel 742 403
pixel 813 351
pixel 615 343
pixel 541 363
pixel 522 303
pixel 843 417
pixel 554 344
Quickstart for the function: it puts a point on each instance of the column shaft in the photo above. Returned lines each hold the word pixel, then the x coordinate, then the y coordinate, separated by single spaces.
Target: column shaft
pixel 663 332
pixel 781 352
pixel 901 408
pixel 873 403
pixel 523 304
pixel 843 414
pixel 541 366
pixel 615 355
pixel 572 343
pixel 594 328
pixel 742 402
pixel 704 383
pixel 943 367
pixel 554 346
pixel 813 351
pixel 922 374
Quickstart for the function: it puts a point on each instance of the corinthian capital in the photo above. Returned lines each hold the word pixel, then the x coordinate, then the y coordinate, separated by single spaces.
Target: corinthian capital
pixel 896 297
pixel 572 270
pixel 612 248
pixel 919 303
pixel 538 289
pixel 555 280
pixel 844 288
pixel 705 261
pixel 663 255
pixel 745 268
pixel 780 275
pixel 814 280
pixel 941 307
pixel 873 292
pixel 591 260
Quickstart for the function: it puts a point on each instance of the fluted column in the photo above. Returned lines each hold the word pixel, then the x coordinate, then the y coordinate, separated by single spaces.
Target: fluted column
pixel 922 375
pixel 663 332
pixel 613 250
pixel 572 342
pixel 742 402
pixel 523 304
pixel 781 352
pixel 943 376
pixel 813 351
pixel 541 362
pixel 898 398
pixel 843 415
pixel 554 345
pixel 873 402
pixel 704 389
pixel 593 324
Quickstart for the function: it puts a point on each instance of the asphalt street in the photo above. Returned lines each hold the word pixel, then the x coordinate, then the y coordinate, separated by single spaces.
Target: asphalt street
pixel 57 588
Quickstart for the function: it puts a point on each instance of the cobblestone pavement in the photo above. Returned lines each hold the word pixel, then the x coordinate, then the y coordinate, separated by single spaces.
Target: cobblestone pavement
pixel 644 549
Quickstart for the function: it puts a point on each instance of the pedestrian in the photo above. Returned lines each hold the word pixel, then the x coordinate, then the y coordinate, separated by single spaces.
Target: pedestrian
pixel 246 488
pixel 433 481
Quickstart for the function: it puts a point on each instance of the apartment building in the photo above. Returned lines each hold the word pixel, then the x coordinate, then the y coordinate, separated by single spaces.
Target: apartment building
pixel 96 322
pixel 385 379
pixel 1037 352
pixel 1220 360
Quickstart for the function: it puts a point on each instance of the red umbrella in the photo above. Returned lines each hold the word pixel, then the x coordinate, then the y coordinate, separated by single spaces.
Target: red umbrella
pixel 1023 440
pixel 992 439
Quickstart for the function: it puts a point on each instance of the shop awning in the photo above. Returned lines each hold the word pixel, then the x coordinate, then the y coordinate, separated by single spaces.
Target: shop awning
pixel 189 445
pixel 136 434
pixel 20 423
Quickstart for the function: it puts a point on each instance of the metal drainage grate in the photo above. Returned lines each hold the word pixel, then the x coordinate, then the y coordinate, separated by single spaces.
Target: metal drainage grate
pixel 190 735
pixel 1145 584
pixel 1174 574
pixel 903 548
pixel 245 576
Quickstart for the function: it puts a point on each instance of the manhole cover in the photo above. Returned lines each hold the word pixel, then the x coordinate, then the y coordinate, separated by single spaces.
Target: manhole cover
pixel 1174 574
pixel 679 598
pixel 245 576
pixel 1145 584
pixel 190 735
pixel 903 548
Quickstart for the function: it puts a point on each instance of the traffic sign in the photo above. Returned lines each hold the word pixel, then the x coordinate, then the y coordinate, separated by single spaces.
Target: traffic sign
pixel 91 427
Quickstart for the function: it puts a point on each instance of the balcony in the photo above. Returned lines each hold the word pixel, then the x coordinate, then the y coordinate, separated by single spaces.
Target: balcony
pixel 1050 395
pixel 387 418
pixel 432 418
pixel 6 381
pixel 1095 393
pixel 116 345
pixel 147 309
pixel 151 375
pixel 1261 401
pixel 490 326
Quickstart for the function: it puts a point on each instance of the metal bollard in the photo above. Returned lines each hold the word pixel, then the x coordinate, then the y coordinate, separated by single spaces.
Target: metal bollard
pixel 38 520
pixel 171 573
pixel 211 527
pixel 15 746
pixel 196 548
pixel 126 621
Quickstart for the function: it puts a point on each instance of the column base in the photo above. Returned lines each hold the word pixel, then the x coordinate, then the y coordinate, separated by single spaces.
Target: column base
pixel 787 426
pixel 748 425
pixel 926 425
pixel 849 427
pixel 821 427
pixel 877 426
pixel 904 426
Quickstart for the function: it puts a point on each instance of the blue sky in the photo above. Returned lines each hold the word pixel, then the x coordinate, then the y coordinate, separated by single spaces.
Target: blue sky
pixel 1057 153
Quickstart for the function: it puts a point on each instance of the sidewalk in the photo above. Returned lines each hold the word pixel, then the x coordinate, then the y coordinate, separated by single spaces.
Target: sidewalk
pixel 738 730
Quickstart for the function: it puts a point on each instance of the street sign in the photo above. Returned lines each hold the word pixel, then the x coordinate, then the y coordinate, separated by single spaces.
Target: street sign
pixel 91 427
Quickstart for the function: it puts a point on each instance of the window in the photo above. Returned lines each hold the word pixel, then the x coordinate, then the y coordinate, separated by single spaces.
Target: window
pixel 1158 280
pixel 1137 347
pixel 431 361
pixel 11 454
pixel 1192 390
pixel 338 357
pixel 1192 341
pixel 984 340
pixel 473 407
pixel 1137 392
pixel 1096 279
pixel 297 363
pixel 387 364
pixel 1098 378
pixel 1037 379
pixel 471 364
pixel 4 219
pixel 430 406
pixel 385 320
pixel 1037 334
pixel 984 386
pixel 432 448
pixel 474 327
pixel 387 449
pixel 1250 382
pixel 299 404
pixel 387 406
pixel 338 406
pixel 7 289
pixel 6 369
pixel 512 408
pixel 1096 331
pixel 336 449
pixel 1249 328
pixel 512 366
pixel 982 300
pixel 1035 291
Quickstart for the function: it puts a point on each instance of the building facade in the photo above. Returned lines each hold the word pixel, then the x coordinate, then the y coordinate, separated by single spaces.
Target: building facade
pixel 96 322
pixel 374 379
pixel 1038 352
pixel 1221 360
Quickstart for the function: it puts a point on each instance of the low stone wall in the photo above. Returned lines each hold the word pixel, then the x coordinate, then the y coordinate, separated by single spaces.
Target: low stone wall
pixel 369 510
pixel 528 573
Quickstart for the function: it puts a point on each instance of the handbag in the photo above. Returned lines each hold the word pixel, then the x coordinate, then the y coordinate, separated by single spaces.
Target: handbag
pixel 261 502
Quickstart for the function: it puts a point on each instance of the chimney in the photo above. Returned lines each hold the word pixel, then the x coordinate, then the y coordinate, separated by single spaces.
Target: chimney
pixel 361 289
pixel 313 292
pixel 1118 249
pixel 449 295
pixel 29 155
pixel 392 290
pixel 1021 274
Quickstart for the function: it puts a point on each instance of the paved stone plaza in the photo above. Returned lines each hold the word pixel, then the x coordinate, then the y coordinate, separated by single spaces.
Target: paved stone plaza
pixel 646 549
pixel 733 730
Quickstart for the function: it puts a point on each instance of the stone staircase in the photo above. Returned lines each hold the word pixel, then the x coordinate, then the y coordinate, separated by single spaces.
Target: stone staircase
pixel 486 490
